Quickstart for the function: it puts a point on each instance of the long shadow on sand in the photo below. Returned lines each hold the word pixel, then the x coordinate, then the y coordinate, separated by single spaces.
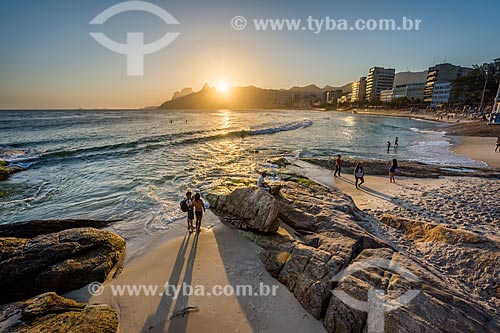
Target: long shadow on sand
pixel 179 324
pixel 158 321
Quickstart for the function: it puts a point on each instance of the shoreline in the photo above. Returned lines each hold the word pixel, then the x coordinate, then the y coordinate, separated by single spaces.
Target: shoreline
pixel 480 149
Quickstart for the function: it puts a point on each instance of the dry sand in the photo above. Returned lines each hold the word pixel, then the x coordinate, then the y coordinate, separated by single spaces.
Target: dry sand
pixel 217 256
pixel 479 149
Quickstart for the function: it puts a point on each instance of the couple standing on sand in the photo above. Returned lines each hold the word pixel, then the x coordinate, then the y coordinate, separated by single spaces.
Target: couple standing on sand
pixel 194 207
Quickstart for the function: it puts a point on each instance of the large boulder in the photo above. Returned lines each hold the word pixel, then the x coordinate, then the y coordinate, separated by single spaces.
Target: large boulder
pixel 52 313
pixel 250 208
pixel 59 262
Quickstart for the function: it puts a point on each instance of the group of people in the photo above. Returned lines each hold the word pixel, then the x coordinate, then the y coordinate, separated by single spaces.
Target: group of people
pixel 359 171
pixel 195 208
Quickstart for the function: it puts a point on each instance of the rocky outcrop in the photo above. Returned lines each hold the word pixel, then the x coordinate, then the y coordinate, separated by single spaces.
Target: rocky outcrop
pixel 30 229
pixel 279 161
pixel 58 262
pixel 249 208
pixel 52 313
pixel 327 238
pixel 6 170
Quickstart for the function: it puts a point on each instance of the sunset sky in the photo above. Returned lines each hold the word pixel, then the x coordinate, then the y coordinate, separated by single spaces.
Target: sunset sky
pixel 49 60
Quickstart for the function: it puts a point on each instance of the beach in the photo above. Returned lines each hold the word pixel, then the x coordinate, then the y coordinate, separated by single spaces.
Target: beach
pixel 219 255
pixel 160 252
pixel 479 149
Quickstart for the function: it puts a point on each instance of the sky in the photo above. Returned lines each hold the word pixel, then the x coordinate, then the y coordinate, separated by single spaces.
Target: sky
pixel 48 60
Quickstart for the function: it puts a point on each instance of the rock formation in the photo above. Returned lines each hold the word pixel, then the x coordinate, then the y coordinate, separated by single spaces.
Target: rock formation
pixel 326 238
pixel 52 313
pixel 249 208
pixel 58 262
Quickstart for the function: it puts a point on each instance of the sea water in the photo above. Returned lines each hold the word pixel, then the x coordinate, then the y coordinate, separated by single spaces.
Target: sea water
pixel 135 165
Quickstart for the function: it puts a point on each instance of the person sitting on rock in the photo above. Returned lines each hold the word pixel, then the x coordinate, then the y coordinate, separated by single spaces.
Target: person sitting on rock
pixel 262 182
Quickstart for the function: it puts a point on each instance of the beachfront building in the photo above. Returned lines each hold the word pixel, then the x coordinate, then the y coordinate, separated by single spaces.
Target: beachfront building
pixel 330 97
pixel 413 92
pixel 441 93
pixel 358 90
pixel 442 73
pixel 378 79
pixel 386 95
pixel 344 99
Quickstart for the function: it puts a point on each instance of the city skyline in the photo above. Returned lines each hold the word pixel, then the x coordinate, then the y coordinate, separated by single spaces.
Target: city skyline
pixel 49 60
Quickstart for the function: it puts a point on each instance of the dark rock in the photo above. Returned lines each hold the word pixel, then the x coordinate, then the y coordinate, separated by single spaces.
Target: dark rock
pixel 281 161
pixel 250 208
pixel 52 313
pixel 30 229
pixel 6 171
pixel 58 262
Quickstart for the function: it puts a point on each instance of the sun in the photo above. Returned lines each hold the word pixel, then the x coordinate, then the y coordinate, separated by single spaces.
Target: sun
pixel 222 87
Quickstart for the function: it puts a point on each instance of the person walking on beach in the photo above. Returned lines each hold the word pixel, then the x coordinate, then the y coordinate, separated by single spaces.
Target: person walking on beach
pixel 199 208
pixel 262 182
pixel 498 145
pixel 338 166
pixel 359 174
pixel 187 206
pixel 392 170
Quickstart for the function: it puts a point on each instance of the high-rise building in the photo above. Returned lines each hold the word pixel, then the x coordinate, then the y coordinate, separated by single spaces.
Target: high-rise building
pixel 386 95
pixel 441 93
pixel 412 91
pixel 358 90
pixel 442 73
pixel 378 79
pixel 330 97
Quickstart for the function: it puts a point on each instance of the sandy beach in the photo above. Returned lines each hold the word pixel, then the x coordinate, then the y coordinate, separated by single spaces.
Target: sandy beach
pixel 478 148
pixel 217 256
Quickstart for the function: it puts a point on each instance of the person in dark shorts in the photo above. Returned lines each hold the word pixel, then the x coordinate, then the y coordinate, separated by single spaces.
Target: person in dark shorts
pixel 498 145
pixel 338 166
pixel 359 175
pixel 190 217
pixel 199 208
pixel 392 170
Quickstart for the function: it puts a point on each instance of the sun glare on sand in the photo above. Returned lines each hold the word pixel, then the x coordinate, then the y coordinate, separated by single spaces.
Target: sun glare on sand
pixel 222 87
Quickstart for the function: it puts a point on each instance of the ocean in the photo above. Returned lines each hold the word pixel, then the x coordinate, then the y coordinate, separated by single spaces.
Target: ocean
pixel 136 165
